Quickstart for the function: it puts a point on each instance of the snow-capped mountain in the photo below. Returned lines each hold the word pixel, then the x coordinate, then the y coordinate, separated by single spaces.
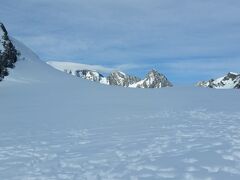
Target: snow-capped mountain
pixel 153 79
pixel 229 81
pixel 91 75
pixel 118 78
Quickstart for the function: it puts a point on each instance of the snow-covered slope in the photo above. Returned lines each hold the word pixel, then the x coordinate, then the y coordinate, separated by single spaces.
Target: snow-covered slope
pixel 229 81
pixel 80 70
pixel 55 126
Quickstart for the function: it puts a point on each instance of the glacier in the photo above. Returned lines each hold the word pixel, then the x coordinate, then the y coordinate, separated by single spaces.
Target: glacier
pixel 56 126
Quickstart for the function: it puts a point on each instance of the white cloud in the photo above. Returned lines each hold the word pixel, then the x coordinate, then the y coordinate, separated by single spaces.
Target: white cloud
pixel 62 65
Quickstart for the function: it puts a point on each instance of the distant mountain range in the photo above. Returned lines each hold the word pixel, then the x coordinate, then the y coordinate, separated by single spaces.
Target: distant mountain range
pixel 153 79
pixel 229 81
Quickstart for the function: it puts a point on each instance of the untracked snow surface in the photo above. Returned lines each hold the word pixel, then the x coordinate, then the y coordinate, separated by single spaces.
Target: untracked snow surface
pixel 56 126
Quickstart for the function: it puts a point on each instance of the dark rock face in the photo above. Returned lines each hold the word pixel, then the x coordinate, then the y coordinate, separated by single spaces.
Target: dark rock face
pixel 229 76
pixel 8 53
pixel 229 81
pixel 237 86
pixel 118 78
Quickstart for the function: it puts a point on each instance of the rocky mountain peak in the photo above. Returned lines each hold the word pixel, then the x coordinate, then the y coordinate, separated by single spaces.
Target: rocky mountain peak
pixel 154 74
pixel 119 78
pixel 153 79
pixel 229 81
pixel 91 75
pixel 153 71
pixel 231 75
pixel 8 53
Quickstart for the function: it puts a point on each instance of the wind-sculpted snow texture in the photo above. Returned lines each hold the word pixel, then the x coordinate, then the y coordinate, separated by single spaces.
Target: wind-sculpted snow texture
pixel 55 126
pixel 194 144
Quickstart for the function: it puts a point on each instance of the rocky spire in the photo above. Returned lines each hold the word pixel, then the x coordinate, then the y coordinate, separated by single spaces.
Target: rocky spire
pixel 8 53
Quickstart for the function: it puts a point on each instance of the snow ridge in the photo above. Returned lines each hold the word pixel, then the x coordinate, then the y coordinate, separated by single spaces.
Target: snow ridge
pixel 229 81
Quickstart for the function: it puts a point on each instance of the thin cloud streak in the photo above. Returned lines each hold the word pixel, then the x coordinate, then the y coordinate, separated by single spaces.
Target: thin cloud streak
pixel 99 68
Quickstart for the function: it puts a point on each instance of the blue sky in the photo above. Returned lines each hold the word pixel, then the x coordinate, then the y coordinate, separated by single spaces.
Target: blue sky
pixel 188 40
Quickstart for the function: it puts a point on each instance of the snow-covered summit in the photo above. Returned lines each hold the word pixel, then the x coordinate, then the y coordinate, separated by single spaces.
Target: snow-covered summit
pixel 229 81
pixel 153 79
pixel 91 75
pixel 118 78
